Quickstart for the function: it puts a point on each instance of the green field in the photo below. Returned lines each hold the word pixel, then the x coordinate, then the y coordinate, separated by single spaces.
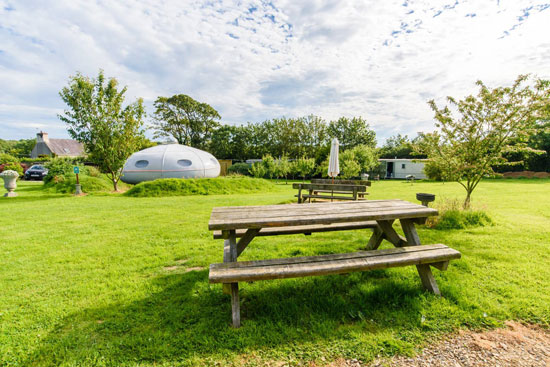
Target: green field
pixel 109 280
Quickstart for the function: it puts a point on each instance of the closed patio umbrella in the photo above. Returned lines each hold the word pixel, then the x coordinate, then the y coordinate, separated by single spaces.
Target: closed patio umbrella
pixel 333 164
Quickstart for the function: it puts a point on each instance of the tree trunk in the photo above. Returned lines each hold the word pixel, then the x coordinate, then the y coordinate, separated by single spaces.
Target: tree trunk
pixel 467 201
pixel 115 184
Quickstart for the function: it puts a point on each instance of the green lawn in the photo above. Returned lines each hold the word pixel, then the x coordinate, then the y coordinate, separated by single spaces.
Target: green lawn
pixel 105 280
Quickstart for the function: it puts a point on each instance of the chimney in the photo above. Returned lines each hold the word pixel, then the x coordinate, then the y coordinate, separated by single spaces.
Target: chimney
pixel 42 137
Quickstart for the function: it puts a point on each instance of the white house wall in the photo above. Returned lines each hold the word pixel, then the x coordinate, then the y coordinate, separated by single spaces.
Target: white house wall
pixel 411 168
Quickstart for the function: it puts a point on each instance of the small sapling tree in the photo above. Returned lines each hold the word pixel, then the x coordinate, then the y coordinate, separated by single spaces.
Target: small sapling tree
pixel 467 145
pixel 96 117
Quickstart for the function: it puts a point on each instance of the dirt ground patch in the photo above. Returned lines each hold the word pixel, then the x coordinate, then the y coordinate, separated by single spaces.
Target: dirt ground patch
pixel 515 345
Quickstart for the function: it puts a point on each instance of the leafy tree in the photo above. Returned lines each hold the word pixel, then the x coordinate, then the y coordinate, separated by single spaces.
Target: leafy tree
pixel 231 142
pixel 399 146
pixel 348 164
pixel 366 158
pixel 467 146
pixel 96 117
pixel 258 170
pixel 190 122
pixel 303 167
pixel 144 143
pixel 352 132
pixel 282 167
pixel 269 164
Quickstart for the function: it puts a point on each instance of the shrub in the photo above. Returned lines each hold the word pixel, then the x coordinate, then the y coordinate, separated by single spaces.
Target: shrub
pixel 92 171
pixel 453 216
pixel 200 186
pixel 239 168
pixel 8 158
pixel 58 168
pixel 433 171
pixel 14 167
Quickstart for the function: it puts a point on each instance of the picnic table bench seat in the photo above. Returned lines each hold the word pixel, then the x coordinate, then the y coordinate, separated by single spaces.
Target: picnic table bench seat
pixel 246 271
pixel 304 229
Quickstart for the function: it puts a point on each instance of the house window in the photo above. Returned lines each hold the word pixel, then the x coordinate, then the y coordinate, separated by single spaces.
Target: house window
pixel 185 162
pixel 403 166
pixel 142 163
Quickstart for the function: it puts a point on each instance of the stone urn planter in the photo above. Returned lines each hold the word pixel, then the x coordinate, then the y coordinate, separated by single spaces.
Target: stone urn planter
pixel 425 198
pixel 10 178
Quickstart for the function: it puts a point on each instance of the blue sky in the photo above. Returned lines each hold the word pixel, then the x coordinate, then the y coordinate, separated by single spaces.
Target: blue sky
pixel 255 60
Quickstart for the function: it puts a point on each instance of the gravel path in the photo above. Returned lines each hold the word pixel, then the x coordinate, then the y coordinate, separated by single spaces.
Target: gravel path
pixel 516 345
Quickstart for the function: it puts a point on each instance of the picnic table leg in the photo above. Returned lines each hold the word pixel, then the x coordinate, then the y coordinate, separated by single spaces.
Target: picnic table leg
pixel 376 238
pixel 390 234
pixel 233 254
pixel 235 306
pixel 424 270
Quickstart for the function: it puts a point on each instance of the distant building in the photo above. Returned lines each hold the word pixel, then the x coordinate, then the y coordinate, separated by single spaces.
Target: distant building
pixel 402 167
pixel 58 147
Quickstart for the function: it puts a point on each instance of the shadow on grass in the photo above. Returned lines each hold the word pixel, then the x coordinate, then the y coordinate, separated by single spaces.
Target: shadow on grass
pixel 190 318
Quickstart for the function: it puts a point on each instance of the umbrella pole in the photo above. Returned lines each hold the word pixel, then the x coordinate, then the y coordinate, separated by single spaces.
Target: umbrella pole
pixel 332 192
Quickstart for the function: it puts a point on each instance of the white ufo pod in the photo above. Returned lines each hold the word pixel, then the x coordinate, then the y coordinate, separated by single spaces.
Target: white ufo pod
pixel 169 161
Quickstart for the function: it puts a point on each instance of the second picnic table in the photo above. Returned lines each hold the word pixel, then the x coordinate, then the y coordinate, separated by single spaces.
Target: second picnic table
pixel 247 222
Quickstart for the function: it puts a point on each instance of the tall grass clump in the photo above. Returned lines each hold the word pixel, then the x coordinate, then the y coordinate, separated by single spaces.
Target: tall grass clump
pixel 200 186
pixel 452 215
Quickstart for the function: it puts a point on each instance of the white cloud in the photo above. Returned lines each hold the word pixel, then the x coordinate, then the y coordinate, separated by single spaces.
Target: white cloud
pixel 255 60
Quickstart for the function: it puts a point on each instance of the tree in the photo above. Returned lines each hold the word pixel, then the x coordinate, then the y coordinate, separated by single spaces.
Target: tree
pixel 349 167
pixel 352 132
pixel 96 117
pixel 303 167
pixel 269 164
pixel 366 158
pixel 258 170
pixel 467 146
pixel 282 167
pixel 190 122
pixel 399 146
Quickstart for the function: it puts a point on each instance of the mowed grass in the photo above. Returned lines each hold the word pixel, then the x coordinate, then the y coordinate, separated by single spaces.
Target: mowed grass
pixel 109 280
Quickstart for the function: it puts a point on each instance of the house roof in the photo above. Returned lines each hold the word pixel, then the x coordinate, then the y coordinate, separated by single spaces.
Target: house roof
pixel 65 147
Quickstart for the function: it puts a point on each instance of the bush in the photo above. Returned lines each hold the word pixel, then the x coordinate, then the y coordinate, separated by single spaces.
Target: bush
pixel 8 158
pixel 57 169
pixel 433 171
pixel 453 216
pixel 14 167
pixel 239 168
pixel 200 186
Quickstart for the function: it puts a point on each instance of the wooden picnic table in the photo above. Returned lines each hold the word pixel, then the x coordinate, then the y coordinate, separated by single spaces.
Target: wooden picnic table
pixel 247 222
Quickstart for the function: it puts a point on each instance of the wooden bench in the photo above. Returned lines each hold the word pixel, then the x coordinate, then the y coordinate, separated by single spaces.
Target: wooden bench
pixel 306 229
pixel 247 271
pixel 329 191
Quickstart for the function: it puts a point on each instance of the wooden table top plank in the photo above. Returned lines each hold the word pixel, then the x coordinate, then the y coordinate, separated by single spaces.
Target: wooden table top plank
pixel 310 208
pixel 221 209
pixel 325 218
pixel 308 211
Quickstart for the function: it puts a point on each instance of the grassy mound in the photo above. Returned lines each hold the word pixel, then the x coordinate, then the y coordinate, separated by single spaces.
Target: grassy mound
pixel 200 186
pixel 65 185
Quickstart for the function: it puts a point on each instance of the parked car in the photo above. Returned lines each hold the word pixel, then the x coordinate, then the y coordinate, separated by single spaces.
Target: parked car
pixel 36 172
